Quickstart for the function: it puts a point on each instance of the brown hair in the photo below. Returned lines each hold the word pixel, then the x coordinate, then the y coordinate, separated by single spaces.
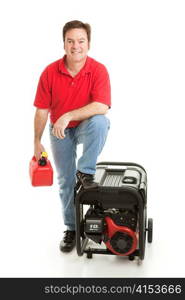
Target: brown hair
pixel 77 24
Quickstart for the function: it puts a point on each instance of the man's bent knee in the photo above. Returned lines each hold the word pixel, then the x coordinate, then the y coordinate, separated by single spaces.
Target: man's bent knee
pixel 100 121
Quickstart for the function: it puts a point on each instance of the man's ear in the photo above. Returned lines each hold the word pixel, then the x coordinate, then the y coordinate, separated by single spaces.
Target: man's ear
pixel 88 45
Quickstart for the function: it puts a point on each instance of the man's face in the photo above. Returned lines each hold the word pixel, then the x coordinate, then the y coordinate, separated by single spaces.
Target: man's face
pixel 76 44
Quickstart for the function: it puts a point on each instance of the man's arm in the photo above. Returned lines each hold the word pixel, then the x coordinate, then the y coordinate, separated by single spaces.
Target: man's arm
pixel 80 114
pixel 83 113
pixel 40 120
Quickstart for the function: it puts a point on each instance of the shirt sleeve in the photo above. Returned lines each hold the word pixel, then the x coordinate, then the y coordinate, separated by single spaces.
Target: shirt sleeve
pixel 101 90
pixel 43 93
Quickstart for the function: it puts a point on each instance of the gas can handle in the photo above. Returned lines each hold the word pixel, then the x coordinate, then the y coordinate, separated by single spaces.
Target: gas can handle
pixel 43 160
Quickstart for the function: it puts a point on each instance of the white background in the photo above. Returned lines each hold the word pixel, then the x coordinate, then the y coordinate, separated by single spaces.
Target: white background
pixel 142 45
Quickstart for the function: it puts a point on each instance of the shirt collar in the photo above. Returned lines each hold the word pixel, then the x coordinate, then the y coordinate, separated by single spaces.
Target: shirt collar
pixel 86 68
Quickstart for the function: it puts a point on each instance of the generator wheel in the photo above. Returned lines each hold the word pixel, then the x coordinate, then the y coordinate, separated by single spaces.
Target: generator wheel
pixel 150 230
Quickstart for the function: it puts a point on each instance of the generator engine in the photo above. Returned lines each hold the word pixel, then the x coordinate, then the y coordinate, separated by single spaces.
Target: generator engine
pixel 115 227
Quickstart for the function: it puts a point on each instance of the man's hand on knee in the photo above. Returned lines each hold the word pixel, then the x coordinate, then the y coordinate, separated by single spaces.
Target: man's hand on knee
pixel 60 126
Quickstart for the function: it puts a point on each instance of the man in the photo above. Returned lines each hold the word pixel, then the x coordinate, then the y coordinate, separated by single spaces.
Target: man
pixel 75 90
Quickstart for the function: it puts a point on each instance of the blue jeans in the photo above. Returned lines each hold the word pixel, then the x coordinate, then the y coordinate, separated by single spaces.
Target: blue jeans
pixel 92 133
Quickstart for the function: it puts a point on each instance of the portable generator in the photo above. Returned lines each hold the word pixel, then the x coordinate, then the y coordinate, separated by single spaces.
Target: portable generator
pixel 114 214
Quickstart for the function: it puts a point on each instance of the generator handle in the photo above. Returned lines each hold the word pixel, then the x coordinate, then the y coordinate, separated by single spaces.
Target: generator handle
pixel 114 163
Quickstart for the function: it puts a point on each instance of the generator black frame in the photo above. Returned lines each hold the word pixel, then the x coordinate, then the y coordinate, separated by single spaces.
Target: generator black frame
pixel 114 197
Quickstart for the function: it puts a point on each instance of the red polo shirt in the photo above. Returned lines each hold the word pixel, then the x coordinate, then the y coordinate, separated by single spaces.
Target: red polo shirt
pixel 59 92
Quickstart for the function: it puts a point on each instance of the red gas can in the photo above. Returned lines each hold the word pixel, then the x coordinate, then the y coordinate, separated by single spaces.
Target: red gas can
pixel 41 172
